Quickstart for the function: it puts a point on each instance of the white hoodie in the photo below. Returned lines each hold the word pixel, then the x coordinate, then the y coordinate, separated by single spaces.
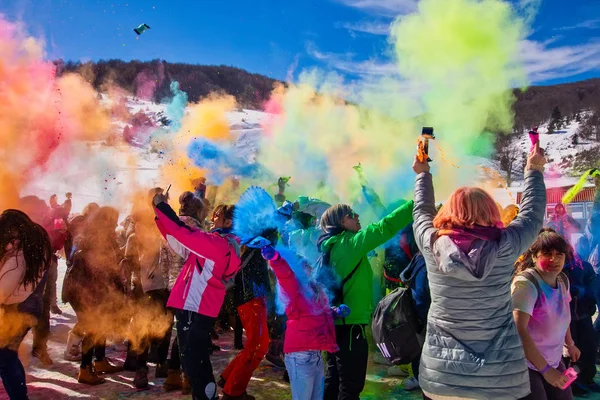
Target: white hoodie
pixel 12 272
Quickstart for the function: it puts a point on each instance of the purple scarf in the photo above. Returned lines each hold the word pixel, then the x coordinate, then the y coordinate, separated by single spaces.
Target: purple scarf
pixel 464 237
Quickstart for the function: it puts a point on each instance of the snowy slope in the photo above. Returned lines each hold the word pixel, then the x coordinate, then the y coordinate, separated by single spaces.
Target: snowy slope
pixel 557 146
pixel 106 174
pixel 114 167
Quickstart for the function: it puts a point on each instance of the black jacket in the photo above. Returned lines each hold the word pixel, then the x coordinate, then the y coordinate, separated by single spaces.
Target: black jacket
pixel 252 280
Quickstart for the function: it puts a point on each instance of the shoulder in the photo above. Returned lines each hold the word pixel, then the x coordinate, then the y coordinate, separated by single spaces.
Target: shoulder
pixel 522 283
pixel 13 262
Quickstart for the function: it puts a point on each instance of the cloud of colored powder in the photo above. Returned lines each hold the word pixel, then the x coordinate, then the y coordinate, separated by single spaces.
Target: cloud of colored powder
pixel 40 114
pixel 457 62
pixel 205 120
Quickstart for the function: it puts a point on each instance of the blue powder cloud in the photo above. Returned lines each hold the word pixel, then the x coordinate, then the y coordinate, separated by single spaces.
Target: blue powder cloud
pixel 221 161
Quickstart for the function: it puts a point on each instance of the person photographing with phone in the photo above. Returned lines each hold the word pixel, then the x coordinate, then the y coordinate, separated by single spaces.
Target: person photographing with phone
pixel 472 349
pixel 212 259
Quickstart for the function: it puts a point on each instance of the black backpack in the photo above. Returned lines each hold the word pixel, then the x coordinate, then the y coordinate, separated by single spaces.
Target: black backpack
pixel 396 327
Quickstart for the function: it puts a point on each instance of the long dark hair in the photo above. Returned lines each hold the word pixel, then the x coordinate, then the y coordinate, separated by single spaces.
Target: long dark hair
pixel 31 239
pixel 547 242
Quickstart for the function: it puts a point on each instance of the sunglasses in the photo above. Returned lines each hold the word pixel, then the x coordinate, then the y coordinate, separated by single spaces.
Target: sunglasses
pixel 352 215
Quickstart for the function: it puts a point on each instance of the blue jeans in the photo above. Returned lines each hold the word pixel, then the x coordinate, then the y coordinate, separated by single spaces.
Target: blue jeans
pixel 12 374
pixel 307 374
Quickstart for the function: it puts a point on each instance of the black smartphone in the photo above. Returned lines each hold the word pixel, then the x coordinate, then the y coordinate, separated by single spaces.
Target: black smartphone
pixel 428 132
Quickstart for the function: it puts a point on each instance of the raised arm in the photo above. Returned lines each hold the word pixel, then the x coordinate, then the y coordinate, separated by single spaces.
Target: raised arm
pixel 178 235
pixel 374 201
pixel 380 232
pixel 285 276
pixel 521 233
pixel 424 210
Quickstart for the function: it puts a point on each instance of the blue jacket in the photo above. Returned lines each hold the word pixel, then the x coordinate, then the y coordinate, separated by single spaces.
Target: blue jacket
pixel 582 280
pixel 416 275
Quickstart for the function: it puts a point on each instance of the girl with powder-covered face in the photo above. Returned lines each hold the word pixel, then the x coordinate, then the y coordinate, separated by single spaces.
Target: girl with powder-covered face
pixel 540 297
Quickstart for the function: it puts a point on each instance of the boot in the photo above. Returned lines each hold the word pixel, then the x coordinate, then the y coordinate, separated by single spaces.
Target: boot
pixel 141 378
pixel 55 310
pixel 73 349
pixel 130 362
pixel 43 356
pixel 186 386
pixel 153 353
pixel 88 376
pixel 162 371
pixel 273 355
pixel 173 381
pixel 106 367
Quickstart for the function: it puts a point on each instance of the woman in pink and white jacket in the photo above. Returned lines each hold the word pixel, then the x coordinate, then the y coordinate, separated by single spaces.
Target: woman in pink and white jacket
pixel 310 329
pixel 212 259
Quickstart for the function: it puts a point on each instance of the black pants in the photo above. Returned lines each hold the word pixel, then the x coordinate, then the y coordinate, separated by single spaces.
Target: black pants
pixel 156 298
pixel 585 339
pixel 41 331
pixel 542 390
pixel 415 367
pixel 347 369
pixel 193 334
pixel 175 361
pixel 91 346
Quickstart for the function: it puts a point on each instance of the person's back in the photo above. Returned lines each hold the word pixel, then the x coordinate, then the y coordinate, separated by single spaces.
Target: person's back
pixel 472 348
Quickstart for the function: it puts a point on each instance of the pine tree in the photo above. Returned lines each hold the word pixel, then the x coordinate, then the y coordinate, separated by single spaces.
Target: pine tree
pixel 555 120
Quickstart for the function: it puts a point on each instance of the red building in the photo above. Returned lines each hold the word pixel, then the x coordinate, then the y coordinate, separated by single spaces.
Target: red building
pixel 580 208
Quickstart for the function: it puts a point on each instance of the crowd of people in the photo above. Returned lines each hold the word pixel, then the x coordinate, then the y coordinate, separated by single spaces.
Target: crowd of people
pixel 506 300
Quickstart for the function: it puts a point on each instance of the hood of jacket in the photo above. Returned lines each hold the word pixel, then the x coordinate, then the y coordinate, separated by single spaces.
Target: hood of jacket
pixel 473 264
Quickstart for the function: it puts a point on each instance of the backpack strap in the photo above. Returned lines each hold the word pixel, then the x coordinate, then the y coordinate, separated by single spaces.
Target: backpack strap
pixel 531 278
pixel 346 279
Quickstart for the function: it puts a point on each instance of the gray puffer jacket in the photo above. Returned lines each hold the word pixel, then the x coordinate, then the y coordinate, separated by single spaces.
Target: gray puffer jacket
pixel 472 349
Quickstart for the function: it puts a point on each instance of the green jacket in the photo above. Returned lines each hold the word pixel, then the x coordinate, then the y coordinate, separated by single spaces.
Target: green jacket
pixel 349 248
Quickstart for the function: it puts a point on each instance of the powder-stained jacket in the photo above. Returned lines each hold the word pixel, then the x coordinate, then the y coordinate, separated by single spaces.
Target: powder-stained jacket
pixel 252 280
pixel 211 260
pixel 472 349
pixel 309 320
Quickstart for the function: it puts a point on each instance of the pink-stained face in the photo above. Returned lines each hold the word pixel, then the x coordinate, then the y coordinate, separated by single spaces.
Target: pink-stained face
pixel 551 262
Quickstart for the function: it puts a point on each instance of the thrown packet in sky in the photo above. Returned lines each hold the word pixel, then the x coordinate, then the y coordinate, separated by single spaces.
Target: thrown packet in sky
pixel 141 29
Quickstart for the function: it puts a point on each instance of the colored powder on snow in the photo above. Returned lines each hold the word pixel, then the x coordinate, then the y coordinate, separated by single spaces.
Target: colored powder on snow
pixel 176 107
pixel 220 161
pixel 205 119
pixel 39 113
pixel 148 80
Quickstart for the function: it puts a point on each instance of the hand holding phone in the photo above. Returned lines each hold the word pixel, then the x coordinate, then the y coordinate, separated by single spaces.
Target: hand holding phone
pixel 423 146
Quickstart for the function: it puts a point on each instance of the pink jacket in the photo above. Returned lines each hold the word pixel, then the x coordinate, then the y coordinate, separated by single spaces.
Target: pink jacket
pixel 210 261
pixel 310 322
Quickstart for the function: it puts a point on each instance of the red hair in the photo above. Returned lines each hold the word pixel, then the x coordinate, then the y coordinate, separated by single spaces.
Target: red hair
pixel 466 207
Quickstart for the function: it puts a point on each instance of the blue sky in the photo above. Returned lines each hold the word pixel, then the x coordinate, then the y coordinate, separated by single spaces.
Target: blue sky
pixel 279 38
